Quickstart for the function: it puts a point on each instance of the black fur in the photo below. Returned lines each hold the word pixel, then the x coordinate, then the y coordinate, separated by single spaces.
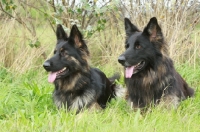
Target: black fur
pixel 153 78
pixel 78 86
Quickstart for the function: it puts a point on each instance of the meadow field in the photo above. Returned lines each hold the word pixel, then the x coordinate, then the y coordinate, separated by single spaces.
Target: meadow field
pixel 26 103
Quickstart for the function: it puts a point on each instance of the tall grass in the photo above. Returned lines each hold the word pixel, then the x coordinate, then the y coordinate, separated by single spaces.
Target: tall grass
pixel 16 53
pixel 180 25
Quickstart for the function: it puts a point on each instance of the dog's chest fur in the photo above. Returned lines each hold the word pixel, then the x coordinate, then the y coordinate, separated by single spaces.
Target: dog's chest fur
pixel 74 101
pixel 153 85
pixel 74 93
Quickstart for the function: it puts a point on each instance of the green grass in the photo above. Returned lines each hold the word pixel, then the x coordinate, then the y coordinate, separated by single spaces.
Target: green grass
pixel 26 105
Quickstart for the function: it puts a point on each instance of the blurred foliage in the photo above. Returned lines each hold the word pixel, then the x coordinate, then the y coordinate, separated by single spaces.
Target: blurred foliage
pixel 31 23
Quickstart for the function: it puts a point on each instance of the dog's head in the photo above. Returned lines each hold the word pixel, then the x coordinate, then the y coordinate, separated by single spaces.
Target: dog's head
pixel 142 48
pixel 70 55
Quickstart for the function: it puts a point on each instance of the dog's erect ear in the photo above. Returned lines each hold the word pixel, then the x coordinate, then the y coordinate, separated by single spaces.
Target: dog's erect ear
pixel 76 35
pixel 60 33
pixel 153 30
pixel 129 27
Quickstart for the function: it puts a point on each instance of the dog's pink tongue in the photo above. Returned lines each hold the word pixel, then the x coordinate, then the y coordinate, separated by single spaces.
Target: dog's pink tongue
pixel 129 72
pixel 52 77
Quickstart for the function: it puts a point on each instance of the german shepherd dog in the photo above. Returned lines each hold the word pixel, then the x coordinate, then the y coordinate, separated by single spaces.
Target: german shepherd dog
pixel 77 85
pixel 150 76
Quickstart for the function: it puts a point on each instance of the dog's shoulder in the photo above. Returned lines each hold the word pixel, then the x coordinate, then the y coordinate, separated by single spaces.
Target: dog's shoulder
pixel 97 74
pixel 98 79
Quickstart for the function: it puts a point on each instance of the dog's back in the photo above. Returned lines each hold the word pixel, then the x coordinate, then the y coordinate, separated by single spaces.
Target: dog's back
pixel 102 84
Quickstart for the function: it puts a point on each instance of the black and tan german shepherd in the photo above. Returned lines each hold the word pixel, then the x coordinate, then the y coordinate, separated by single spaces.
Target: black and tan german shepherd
pixel 77 85
pixel 150 75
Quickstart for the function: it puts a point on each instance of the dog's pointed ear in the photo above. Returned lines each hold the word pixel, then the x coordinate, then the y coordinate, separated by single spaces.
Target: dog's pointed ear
pixel 76 35
pixel 129 27
pixel 153 30
pixel 60 33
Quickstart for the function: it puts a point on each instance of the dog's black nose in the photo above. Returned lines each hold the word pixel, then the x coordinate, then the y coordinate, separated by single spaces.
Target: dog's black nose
pixel 121 59
pixel 47 65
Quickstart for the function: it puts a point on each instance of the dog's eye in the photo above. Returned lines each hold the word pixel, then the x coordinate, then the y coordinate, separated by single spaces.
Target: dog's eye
pixel 127 46
pixel 63 52
pixel 61 49
pixel 138 46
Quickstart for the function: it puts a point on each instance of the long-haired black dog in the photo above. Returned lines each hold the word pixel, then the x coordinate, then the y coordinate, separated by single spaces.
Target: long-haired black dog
pixel 150 75
pixel 77 85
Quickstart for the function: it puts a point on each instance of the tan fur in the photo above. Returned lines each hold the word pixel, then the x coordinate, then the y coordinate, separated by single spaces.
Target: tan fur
pixel 152 75
pixel 167 79
pixel 70 85
pixel 169 102
pixel 84 56
pixel 120 91
pixel 77 41
pixel 58 102
pixel 153 33
pixel 147 79
pixel 61 49
pixel 164 50
pixel 74 60
pixel 162 69
pixel 95 106
pixel 82 101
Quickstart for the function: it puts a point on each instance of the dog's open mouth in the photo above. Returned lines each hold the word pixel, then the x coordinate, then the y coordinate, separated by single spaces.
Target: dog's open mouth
pixel 53 75
pixel 129 71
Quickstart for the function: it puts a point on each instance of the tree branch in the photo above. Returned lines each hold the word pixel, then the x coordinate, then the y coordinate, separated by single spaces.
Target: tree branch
pixel 1 8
